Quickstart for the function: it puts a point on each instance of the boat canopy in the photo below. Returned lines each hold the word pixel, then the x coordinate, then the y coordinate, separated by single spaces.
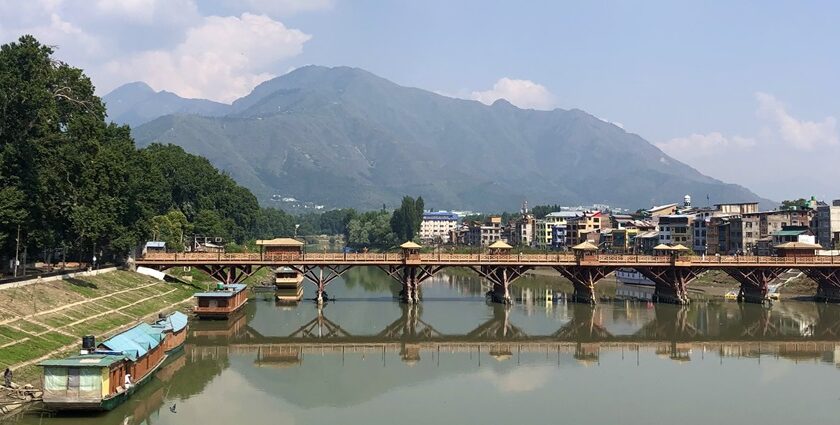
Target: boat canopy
pixel 135 342
pixel 174 322
pixel 226 292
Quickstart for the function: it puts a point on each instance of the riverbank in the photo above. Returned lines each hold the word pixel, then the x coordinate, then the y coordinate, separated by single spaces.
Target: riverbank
pixel 48 319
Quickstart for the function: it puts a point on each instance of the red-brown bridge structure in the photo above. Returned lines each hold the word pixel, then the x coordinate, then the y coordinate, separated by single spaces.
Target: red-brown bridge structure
pixel 671 272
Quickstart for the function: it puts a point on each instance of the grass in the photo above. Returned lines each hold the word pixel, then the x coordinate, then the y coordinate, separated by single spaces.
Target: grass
pixel 32 299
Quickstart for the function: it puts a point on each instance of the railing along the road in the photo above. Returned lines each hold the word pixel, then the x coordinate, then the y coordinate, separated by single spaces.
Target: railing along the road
pixel 197 257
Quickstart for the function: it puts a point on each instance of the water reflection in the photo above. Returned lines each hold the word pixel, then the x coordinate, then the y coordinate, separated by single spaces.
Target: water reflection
pixel 367 359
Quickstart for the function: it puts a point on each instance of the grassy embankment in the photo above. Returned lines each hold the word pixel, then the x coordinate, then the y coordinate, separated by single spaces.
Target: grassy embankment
pixel 50 318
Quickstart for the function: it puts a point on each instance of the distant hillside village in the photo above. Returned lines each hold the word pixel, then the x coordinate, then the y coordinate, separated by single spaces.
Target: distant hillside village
pixel 725 229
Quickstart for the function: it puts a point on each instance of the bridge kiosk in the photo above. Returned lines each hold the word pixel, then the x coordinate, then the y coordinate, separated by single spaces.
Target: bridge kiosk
pixel 287 281
pixel 499 248
pixel 797 249
pixel 411 252
pixel 585 252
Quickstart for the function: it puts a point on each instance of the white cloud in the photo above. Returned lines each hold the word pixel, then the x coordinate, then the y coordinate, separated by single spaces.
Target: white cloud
pixel 704 145
pixel 521 379
pixel 801 134
pixel 222 59
pixel 522 93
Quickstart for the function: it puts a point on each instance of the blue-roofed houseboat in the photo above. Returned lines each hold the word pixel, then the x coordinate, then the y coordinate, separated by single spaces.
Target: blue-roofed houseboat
pixel 96 378
pixel 221 303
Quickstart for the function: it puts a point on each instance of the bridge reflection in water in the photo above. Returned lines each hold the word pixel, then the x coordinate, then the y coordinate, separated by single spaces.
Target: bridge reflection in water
pixel 796 331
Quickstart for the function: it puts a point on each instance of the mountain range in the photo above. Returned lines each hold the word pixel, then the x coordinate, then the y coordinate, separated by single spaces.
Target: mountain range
pixel 343 137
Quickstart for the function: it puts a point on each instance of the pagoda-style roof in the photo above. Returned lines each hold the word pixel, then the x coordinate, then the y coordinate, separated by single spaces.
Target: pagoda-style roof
pixel 799 245
pixel 500 245
pixel 279 242
pixel 663 247
pixel 680 247
pixel 585 246
pixel 410 245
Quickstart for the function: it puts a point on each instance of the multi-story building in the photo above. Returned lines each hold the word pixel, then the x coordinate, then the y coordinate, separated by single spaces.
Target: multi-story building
pixel 583 228
pixel 485 233
pixel 676 229
pixel 828 224
pixel 554 227
pixel 523 230
pixel 741 233
pixel 436 226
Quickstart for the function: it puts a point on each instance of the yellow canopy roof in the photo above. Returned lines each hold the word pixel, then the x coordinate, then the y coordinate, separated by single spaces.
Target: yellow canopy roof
pixel 500 245
pixel 279 242
pixel 662 247
pixel 680 247
pixel 410 245
pixel 799 245
pixel 585 246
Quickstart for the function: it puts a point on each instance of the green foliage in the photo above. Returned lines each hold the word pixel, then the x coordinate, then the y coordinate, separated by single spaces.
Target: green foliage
pixel 70 179
pixel 540 211
pixel 371 230
pixel 405 222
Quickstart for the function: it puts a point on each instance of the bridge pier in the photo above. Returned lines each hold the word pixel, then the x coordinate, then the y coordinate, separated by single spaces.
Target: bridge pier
pixel 229 273
pixel 410 277
pixel 670 281
pixel 321 279
pixel 828 283
pixel 584 279
pixel 753 282
pixel 501 277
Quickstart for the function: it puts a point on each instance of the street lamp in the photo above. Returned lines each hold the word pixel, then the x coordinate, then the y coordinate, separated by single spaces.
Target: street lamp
pixel 296 229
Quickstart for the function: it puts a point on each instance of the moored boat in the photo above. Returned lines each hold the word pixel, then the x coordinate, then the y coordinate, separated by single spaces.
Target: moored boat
pixel 221 303
pixel 287 283
pixel 103 376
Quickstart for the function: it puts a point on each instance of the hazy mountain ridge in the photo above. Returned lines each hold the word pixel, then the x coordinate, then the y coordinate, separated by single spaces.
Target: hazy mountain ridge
pixel 345 137
pixel 137 103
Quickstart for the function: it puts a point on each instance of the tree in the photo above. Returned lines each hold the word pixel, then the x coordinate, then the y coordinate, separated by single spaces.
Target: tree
pixel 171 228
pixel 405 221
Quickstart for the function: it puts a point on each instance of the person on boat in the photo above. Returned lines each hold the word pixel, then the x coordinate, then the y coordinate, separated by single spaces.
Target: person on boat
pixel 7 378
pixel 127 381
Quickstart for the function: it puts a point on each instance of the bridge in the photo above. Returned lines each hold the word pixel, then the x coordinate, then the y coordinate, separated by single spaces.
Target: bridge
pixel 670 273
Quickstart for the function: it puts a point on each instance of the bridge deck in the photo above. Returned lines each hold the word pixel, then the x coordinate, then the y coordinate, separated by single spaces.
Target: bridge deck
pixel 437 259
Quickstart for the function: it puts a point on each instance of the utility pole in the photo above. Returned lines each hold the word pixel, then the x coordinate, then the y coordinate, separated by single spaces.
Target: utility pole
pixel 17 250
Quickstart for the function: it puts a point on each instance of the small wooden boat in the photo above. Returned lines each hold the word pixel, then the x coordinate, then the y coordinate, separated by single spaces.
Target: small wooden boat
pixel 221 303
pixel 104 376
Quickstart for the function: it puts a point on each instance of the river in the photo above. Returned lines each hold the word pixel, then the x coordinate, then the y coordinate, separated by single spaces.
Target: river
pixel 456 359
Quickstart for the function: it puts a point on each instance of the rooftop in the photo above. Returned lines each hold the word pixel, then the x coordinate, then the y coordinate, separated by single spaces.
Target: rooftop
pixel 85 360
pixel 279 242
pixel 227 291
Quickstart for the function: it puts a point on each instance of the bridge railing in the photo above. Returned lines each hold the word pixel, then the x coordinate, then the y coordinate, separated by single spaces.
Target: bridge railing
pixel 367 257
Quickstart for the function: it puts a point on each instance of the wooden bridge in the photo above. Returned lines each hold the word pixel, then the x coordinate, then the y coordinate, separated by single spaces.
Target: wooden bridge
pixel 671 273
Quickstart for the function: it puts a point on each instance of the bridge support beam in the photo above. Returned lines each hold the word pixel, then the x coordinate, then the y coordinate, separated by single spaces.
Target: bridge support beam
pixel 316 275
pixel 410 277
pixel 501 277
pixel 753 282
pixel 828 283
pixel 671 282
pixel 229 273
pixel 584 279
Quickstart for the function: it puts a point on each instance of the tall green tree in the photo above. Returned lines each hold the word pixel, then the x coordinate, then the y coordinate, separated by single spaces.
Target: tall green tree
pixel 405 221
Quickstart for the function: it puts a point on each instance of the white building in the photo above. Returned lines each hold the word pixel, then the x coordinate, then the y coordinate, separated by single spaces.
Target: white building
pixel 436 226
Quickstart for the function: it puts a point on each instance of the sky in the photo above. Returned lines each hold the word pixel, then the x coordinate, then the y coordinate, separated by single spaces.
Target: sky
pixel 746 92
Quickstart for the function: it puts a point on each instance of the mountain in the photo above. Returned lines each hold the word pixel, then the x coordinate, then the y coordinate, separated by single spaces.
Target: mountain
pixel 345 137
pixel 137 103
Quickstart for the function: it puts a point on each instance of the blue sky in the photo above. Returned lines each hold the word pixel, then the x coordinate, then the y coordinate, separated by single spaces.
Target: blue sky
pixel 744 91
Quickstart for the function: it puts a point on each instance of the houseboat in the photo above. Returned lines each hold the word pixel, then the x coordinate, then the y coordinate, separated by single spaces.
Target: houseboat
pixel 103 376
pixel 221 303
pixel 287 285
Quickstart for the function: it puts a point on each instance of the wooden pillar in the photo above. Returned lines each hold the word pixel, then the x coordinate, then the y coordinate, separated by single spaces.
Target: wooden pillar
pixel 671 282
pixel 584 279
pixel 501 277
pixel 828 282
pixel 753 281
pixel 410 277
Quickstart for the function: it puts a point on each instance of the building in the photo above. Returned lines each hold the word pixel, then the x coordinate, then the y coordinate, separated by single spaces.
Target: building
pixel 828 225
pixel 661 210
pixel 484 234
pixel 581 228
pixel 555 228
pixel 523 229
pixel 436 226
pixel 737 208
pixel 202 243
pixel 740 233
pixel 645 241
pixel 676 229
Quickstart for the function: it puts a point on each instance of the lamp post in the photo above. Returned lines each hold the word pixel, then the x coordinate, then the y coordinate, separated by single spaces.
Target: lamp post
pixel 296 229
